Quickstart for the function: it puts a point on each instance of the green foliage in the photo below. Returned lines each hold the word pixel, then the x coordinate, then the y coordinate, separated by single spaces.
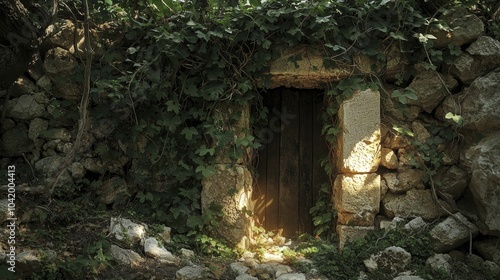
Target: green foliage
pixel 346 263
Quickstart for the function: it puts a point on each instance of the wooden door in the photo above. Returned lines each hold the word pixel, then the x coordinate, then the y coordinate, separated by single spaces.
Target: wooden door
pixel 288 165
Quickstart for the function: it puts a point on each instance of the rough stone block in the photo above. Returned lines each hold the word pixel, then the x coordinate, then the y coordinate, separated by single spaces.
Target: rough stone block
pixel 231 188
pixel 347 234
pixel 359 141
pixel 357 198
pixel 415 203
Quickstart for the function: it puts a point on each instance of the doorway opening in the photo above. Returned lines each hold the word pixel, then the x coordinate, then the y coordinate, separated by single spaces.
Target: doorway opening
pixel 288 164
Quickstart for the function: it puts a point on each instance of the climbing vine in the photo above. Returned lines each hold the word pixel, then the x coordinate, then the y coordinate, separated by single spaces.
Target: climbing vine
pixel 180 65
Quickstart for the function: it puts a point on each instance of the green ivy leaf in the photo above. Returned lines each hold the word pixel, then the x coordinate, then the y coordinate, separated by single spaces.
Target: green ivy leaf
pixel 188 132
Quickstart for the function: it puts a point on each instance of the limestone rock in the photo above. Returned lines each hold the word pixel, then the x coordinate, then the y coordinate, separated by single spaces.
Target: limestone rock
pixel 245 276
pixel 37 125
pixel 389 159
pixel 485 163
pixel 466 27
pixel 481 104
pixel 489 249
pixel 29 262
pixel 390 261
pixel 25 108
pixel 187 254
pixel 487 48
pixel 439 262
pixel 404 181
pixel 271 269
pixel 15 142
pixel 152 249
pixel 50 168
pixel 77 170
pixel 125 230
pixel 429 89
pixel 231 187
pixel 165 234
pixel 347 234
pixel 57 134
pixel 357 198
pixel 191 273
pixel 44 83
pixel 492 267
pixel 59 61
pixel 127 257
pixel 238 268
pixel 416 224
pixel 415 203
pixel 454 181
pixel 22 86
pixel 359 141
pixel 292 276
pixel 114 190
pixel 451 234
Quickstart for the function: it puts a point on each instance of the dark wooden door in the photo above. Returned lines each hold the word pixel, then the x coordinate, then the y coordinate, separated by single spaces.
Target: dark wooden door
pixel 288 165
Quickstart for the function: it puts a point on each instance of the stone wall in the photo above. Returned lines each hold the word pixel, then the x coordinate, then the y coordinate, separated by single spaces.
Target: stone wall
pixel 378 179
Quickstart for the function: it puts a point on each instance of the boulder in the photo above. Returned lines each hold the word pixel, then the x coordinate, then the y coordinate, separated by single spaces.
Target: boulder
pixel 416 225
pixel 15 142
pixel 451 234
pixel 481 104
pixel 191 272
pixel 453 181
pixel 489 249
pixel 50 167
pixel 127 257
pixel 231 188
pixel 114 190
pixel 390 261
pixel 439 263
pixel 415 203
pixel 430 90
pixel 465 28
pixel 125 230
pixel 154 250
pixel 389 159
pixel 37 125
pixel 484 160
pixel 25 107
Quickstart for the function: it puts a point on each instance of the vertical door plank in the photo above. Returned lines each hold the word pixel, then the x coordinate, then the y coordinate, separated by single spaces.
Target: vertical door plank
pixel 306 100
pixel 272 142
pixel 260 186
pixel 289 164
pixel 320 148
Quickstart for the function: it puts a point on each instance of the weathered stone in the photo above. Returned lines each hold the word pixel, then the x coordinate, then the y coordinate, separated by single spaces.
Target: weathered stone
pixel 94 165
pixel 8 124
pixel 454 181
pixel 474 260
pixel 37 125
pixel 245 276
pixel 292 276
pixel 439 263
pixel 395 141
pixel 451 234
pixel 165 234
pixel 430 90
pixel 404 181
pixel 15 142
pixel 22 86
pixel 399 111
pixel 303 67
pixel 347 234
pixel 383 189
pixel 489 249
pixel 484 161
pixel 127 257
pixel 238 268
pixel 50 167
pixel 231 188
pixel 59 61
pixel 24 108
pixel 57 134
pixel 44 83
pixel 359 141
pixel 125 230
pixel 390 261
pixel 77 170
pixel 30 262
pixel 64 148
pixel 152 249
pixel 389 159
pixel 357 198
pixel 466 28
pixel 486 47
pixel 481 104
pixel 272 269
pixel 416 224
pixel 187 254
pixel 491 267
pixel 415 203
pixel 114 190
pixel 420 132
pixel 191 273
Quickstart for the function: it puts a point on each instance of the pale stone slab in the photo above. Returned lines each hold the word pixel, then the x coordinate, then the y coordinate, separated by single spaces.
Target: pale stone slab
pixel 357 198
pixel 359 142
